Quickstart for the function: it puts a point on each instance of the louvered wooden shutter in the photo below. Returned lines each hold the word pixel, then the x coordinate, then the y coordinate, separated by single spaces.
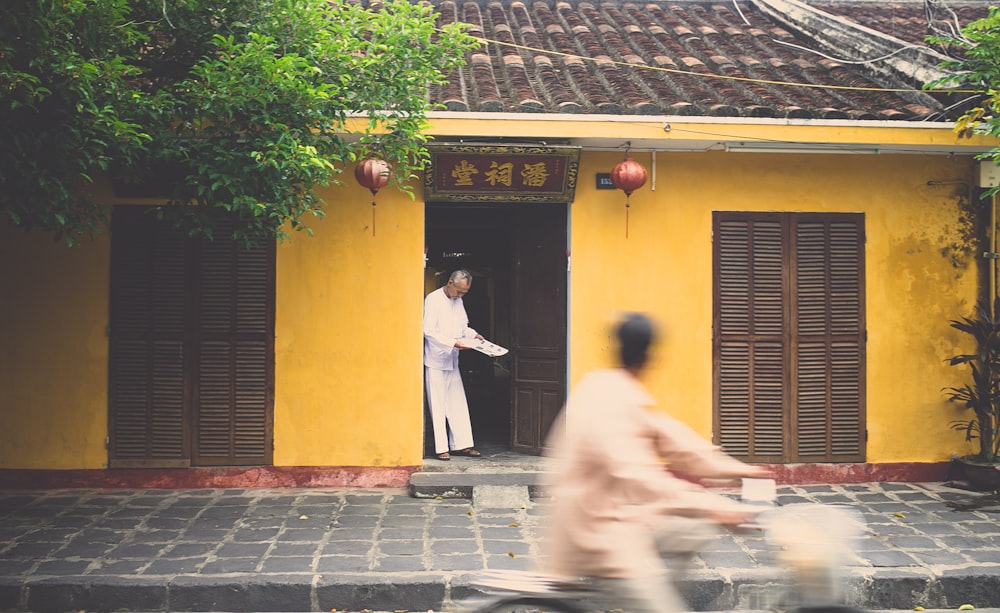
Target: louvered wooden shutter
pixel 233 393
pixel 191 347
pixel 830 348
pixel 789 336
pixel 147 384
pixel 750 320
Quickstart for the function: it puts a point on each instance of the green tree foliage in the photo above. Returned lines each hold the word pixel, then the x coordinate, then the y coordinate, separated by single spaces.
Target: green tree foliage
pixel 234 105
pixel 982 394
pixel 975 72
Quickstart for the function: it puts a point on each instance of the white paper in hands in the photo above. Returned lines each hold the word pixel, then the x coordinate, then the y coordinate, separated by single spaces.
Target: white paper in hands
pixel 484 346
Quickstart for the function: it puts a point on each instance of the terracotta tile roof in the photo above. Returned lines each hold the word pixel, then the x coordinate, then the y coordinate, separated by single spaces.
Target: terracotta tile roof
pixel 908 21
pixel 665 57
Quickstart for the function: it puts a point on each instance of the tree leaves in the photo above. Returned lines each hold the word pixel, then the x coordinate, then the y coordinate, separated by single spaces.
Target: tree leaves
pixel 982 395
pixel 240 105
pixel 975 67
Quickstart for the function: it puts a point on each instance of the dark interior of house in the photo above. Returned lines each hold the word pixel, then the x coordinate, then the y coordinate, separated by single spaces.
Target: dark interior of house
pixel 477 238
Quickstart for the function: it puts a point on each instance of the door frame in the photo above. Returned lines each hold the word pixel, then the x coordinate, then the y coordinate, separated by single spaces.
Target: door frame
pixel 560 371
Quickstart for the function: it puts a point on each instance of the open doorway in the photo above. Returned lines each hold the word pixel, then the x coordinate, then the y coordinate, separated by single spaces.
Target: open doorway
pixel 477 239
pixel 517 256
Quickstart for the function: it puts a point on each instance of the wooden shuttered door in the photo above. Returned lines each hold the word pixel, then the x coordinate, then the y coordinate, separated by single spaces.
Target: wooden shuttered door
pixel 191 347
pixel 149 294
pixel 233 390
pixel 789 343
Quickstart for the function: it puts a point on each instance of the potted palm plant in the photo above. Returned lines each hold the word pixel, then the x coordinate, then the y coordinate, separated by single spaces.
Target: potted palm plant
pixel 981 395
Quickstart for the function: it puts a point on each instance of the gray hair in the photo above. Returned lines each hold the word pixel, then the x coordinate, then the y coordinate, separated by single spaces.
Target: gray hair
pixel 460 275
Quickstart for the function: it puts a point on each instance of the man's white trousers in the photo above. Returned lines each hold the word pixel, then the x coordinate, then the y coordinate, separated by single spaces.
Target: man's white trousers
pixel 446 398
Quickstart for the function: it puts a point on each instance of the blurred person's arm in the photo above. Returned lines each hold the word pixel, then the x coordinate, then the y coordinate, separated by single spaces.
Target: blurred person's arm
pixel 686 452
pixel 640 467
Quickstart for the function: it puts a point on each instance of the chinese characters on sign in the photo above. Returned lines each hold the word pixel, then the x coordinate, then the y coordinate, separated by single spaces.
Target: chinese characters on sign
pixel 533 175
pixel 490 173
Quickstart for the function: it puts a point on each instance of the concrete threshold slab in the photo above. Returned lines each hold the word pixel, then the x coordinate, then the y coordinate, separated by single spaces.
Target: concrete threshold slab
pixel 461 484
pixel 500 496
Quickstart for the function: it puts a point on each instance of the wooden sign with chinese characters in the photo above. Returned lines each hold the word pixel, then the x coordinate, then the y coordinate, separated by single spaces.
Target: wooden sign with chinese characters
pixel 501 173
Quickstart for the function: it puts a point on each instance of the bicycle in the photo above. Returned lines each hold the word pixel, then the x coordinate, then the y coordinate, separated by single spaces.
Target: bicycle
pixel 811 542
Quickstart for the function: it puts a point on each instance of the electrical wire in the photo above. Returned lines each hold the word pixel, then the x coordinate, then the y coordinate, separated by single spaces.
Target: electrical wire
pixel 839 60
pixel 930 7
pixel 725 136
pixel 723 77
pixel 845 61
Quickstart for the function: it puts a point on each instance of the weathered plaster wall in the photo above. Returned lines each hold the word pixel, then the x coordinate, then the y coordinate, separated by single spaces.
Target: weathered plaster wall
pixel 348 341
pixel 920 273
pixel 348 377
pixel 53 351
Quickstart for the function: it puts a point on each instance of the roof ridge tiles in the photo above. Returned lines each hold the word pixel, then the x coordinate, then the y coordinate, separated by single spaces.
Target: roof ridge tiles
pixel 619 81
pixel 451 93
pixel 755 98
pixel 513 66
pixel 483 80
pixel 562 97
pixel 641 44
pixel 550 87
pixel 573 69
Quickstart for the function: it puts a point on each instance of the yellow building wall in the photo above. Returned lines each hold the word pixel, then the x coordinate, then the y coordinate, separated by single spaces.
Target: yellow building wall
pixel 53 351
pixel 348 369
pixel 348 375
pixel 920 272
pixel 348 341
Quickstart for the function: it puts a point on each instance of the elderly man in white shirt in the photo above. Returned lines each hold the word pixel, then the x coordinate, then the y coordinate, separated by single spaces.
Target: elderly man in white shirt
pixel 446 331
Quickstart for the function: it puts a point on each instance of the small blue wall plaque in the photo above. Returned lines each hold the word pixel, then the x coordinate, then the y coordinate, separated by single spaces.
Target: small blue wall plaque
pixel 604 181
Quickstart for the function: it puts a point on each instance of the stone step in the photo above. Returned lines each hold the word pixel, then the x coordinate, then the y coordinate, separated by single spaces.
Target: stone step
pixel 500 497
pixel 462 484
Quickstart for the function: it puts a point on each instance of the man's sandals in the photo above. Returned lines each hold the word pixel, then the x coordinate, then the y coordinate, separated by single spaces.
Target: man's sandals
pixel 470 452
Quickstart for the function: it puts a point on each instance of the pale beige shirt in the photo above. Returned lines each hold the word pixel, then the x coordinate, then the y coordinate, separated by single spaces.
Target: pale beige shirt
pixel 611 482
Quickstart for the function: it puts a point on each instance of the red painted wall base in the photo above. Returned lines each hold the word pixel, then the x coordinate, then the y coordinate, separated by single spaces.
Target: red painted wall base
pixel 397 476
pixel 906 472
pixel 195 478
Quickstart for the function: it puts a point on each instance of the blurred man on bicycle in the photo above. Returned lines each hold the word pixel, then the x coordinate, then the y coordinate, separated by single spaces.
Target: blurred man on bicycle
pixel 618 500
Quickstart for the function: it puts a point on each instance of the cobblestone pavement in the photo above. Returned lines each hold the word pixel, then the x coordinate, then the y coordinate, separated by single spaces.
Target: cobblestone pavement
pixel 238 550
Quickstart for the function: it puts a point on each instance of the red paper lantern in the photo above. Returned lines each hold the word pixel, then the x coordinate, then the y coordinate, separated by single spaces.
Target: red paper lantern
pixel 628 176
pixel 372 173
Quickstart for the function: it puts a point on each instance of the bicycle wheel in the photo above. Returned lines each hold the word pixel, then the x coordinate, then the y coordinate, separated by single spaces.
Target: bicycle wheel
pixel 525 604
